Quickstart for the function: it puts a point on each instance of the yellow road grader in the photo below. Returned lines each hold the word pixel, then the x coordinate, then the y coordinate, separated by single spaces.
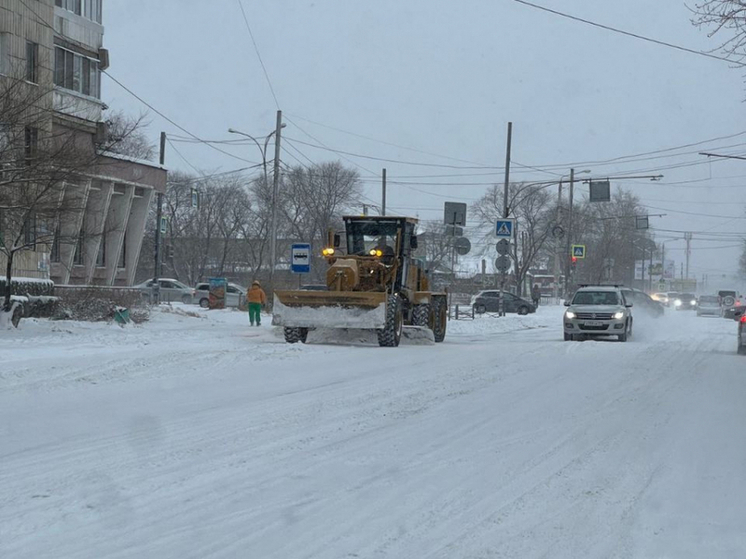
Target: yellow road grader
pixel 374 284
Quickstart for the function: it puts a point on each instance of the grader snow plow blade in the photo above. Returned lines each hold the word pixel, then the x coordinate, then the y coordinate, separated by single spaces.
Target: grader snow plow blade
pixel 329 309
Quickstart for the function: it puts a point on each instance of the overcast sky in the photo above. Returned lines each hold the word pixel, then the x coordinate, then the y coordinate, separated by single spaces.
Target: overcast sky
pixel 445 77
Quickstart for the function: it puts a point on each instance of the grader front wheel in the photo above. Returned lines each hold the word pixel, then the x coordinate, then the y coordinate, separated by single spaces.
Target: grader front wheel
pixel 390 335
pixel 440 312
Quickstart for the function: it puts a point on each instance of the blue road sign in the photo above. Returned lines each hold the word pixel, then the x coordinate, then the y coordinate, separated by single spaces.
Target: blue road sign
pixel 300 258
pixel 504 228
pixel 578 251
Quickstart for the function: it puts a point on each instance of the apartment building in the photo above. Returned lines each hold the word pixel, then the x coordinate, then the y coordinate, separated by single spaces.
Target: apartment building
pixel 59 45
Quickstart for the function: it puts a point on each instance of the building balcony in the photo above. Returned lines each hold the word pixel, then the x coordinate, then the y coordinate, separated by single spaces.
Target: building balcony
pixel 74 104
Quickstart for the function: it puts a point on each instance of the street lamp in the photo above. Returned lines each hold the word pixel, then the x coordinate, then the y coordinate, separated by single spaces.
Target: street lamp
pixel 273 228
pixel 262 149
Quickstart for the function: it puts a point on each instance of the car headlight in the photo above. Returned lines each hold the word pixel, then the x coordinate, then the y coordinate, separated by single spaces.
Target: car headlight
pixel 693 302
pixel 677 302
pixel 619 315
pixel 570 315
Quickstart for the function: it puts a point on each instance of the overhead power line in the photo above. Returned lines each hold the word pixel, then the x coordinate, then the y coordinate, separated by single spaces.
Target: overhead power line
pixel 630 34
pixel 167 119
pixel 258 55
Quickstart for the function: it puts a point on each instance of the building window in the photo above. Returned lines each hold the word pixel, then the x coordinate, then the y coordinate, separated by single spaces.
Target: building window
pixel 93 10
pixel 56 242
pixel 90 9
pixel 101 258
pixel 31 144
pixel 123 252
pixel 78 259
pixel 4 53
pixel 77 73
pixel 29 231
pixel 32 56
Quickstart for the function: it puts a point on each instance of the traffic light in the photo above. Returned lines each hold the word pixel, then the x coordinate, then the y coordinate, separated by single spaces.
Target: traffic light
pixel 574 260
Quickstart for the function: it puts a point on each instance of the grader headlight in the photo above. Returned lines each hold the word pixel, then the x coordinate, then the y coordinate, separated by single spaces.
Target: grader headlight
pixel 376 252
pixel 329 251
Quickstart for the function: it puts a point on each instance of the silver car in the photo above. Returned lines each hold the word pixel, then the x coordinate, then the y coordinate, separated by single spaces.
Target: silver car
pixel 709 305
pixel 598 311
pixel 235 295
pixel 171 290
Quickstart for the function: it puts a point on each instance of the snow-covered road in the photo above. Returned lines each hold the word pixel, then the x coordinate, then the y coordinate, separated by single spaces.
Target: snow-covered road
pixel 199 437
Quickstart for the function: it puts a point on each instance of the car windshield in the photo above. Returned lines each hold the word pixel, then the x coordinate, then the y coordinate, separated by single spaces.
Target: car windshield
pixel 687 296
pixel 596 298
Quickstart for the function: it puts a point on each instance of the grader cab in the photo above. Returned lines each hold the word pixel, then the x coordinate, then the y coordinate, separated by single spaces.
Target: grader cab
pixel 374 283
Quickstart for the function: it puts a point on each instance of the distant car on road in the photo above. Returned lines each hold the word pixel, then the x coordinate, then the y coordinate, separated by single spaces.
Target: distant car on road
pixel 643 302
pixel 709 305
pixel 685 302
pixel 235 295
pixel 489 301
pixel 662 298
pixel 598 311
pixel 729 297
pixel 171 290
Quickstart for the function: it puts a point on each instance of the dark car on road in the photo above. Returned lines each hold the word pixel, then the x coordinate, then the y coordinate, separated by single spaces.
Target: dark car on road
pixel 643 302
pixel 489 301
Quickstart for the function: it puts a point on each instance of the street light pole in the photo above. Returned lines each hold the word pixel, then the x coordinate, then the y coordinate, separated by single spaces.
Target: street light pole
pixel 275 188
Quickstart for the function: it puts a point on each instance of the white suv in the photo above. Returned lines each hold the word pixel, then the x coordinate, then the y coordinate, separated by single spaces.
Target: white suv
pixel 598 311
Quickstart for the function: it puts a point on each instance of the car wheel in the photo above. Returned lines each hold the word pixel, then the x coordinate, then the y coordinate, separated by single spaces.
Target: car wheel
pixel 623 337
pixel 741 349
pixel 186 299
pixel 568 337
pixel 480 309
pixel 523 310
pixel 204 303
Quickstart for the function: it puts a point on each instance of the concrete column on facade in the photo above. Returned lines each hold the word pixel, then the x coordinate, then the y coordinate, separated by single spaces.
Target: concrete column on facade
pixel 76 194
pixel 96 209
pixel 117 222
pixel 136 232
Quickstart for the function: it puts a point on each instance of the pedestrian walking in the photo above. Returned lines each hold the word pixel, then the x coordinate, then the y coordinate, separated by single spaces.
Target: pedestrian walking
pixel 256 298
pixel 536 295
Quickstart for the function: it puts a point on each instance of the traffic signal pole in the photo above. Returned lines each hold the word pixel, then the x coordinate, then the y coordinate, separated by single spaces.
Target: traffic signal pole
pixel 506 210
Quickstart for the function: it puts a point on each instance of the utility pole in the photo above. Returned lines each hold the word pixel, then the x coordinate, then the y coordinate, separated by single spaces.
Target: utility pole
pixel 688 238
pixel 275 188
pixel 506 209
pixel 557 245
pixel 156 294
pixel 383 192
pixel 568 251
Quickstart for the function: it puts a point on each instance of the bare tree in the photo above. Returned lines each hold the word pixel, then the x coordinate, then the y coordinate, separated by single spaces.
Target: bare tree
pixel 724 17
pixel 127 136
pixel 313 200
pixel 534 208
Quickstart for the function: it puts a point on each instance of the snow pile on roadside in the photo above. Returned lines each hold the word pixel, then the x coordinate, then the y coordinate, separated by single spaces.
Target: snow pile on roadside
pixel 545 317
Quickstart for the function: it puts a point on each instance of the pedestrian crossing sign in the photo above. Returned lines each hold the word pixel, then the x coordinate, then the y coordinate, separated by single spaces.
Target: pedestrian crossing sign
pixel 578 251
pixel 504 228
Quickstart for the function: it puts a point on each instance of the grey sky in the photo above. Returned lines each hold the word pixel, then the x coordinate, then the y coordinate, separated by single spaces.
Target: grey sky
pixel 445 77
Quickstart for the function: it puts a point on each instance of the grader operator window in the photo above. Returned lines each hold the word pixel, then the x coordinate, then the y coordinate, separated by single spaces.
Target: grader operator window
pixel 364 236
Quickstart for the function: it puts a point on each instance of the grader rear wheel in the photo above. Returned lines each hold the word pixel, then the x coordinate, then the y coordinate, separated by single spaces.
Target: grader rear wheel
pixel 440 318
pixel 423 315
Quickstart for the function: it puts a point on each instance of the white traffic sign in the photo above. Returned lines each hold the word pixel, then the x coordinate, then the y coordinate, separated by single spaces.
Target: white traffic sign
pixel 504 228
